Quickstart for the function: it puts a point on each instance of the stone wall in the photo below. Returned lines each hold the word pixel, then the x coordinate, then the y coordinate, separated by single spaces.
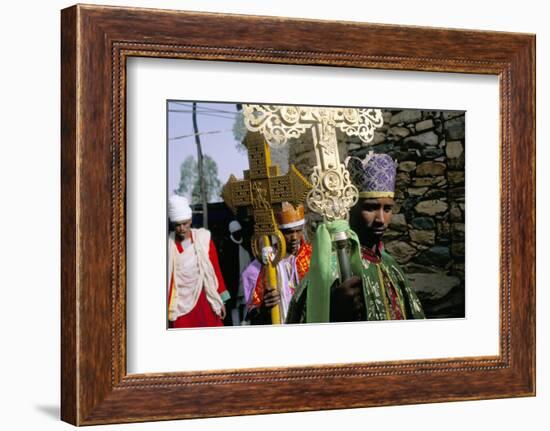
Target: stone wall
pixel 426 235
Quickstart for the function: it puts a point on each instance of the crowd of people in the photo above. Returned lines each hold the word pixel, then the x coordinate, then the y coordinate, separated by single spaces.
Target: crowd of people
pixel 308 287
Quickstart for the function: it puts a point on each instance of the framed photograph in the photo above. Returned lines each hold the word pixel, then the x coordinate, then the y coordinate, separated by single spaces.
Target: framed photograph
pixel 261 217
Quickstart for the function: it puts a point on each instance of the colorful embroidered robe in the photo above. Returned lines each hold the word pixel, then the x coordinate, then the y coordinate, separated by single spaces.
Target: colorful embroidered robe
pixel 387 292
pixel 290 271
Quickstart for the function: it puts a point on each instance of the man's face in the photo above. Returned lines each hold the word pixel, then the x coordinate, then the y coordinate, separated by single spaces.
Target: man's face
pixel 182 229
pixel 237 235
pixel 293 237
pixel 371 218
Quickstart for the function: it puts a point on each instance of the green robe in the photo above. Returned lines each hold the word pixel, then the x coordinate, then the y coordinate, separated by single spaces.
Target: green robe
pixel 375 292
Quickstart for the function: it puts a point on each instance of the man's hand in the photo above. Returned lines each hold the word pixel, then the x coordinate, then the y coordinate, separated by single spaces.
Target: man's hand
pixel 271 297
pixel 347 303
pixel 222 312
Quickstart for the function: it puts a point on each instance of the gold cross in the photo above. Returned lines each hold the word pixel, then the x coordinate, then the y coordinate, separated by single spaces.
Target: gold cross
pixel 263 188
pixel 332 192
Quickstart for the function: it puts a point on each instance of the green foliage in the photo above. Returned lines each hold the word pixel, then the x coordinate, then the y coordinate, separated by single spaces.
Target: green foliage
pixel 189 179
pixel 239 132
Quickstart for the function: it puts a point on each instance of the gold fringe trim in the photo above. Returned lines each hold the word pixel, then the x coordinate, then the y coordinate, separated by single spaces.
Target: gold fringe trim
pixel 376 194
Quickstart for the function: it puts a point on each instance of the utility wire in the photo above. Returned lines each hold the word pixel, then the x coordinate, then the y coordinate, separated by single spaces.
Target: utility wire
pixel 225 116
pixel 206 112
pixel 200 133
pixel 207 108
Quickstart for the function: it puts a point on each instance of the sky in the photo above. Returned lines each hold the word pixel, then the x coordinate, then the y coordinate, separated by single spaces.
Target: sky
pixel 215 123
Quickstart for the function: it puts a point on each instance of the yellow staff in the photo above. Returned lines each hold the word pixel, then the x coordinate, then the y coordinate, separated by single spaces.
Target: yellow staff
pixel 261 189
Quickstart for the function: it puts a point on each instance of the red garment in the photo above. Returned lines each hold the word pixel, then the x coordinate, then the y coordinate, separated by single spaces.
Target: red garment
pixel 202 314
pixel 213 255
pixel 395 310
pixel 372 256
pixel 303 259
pixel 199 317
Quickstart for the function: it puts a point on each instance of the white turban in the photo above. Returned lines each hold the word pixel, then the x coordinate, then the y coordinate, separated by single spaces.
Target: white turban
pixel 178 208
pixel 234 226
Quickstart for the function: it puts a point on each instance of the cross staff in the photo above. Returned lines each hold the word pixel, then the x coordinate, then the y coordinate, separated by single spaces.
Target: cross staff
pixel 261 189
pixel 332 194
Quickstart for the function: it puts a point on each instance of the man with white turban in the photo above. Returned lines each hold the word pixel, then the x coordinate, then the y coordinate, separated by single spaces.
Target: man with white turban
pixel 196 290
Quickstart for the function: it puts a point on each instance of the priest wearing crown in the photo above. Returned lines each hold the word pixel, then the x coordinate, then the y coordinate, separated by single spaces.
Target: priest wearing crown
pixel 379 288
pixel 290 270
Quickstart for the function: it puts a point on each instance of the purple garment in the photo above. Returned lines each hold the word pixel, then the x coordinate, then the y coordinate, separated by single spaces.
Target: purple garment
pixel 287 281
pixel 376 173
pixel 249 277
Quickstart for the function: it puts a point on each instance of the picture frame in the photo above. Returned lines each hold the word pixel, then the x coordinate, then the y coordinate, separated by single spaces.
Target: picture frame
pixel 96 41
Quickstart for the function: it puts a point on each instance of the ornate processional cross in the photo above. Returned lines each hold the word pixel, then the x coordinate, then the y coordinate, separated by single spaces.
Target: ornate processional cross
pixel 333 194
pixel 261 189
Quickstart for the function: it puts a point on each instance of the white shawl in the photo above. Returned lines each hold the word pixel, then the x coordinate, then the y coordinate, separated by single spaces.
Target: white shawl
pixel 192 271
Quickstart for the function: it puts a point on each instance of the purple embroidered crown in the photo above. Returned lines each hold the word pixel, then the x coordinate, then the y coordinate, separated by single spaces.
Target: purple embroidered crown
pixel 374 176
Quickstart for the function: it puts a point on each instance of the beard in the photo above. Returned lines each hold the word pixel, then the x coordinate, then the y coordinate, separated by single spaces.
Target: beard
pixel 371 235
pixel 294 247
pixel 182 236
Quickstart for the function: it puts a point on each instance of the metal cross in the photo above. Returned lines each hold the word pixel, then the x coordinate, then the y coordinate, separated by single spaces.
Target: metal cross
pixel 261 189
pixel 333 193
